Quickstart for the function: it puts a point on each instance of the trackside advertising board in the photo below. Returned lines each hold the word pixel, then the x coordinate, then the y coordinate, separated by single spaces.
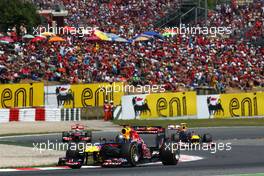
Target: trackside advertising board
pixel 82 95
pixel 231 105
pixel 21 95
pixel 160 105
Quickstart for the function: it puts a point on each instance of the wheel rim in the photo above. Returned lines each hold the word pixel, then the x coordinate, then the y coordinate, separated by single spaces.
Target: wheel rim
pixel 135 158
pixel 177 156
pixel 134 154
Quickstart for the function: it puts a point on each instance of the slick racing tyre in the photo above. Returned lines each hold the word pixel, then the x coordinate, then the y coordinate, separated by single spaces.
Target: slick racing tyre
pixel 108 151
pixel 88 134
pixel 207 138
pixel 76 166
pixel 61 162
pixel 65 134
pixel 175 137
pixel 130 152
pixel 168 155
pixel 76 156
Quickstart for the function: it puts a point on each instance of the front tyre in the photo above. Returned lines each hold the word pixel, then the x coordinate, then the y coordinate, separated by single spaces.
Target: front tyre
pixel 76 166
pixel 207 138
pixel 169 154
pixel 76 156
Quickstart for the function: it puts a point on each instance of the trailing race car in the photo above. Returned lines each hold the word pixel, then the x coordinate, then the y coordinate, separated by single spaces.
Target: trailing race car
pixel 77 134
pixel 128 149
pixel 181 133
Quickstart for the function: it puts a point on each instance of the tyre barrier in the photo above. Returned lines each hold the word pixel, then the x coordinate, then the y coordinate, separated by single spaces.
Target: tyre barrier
pixel 71 114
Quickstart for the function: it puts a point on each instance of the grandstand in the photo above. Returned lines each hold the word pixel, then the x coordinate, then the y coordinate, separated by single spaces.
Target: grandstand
pixel 183 62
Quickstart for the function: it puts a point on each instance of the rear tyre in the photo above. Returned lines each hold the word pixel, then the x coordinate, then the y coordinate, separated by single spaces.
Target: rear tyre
pixel 175 137
pixel 130 152
pixel 169 154
pixel 65 134
pixel 88 134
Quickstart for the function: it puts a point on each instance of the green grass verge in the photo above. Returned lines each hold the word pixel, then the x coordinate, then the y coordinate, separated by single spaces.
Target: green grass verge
pixel 196 122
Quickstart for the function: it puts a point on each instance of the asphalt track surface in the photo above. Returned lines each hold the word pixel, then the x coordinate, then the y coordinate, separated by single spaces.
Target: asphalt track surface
pixel 245 156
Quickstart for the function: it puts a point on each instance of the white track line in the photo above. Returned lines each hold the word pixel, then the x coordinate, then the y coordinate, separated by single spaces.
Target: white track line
pixel 184 158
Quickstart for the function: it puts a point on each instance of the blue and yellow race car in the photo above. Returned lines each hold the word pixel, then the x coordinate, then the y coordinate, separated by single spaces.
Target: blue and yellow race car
pixel 128 149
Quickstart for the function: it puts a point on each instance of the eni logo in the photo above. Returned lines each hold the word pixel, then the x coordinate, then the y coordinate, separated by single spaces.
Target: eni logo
pixel 175 105
pixel 236 107
pixel 20 97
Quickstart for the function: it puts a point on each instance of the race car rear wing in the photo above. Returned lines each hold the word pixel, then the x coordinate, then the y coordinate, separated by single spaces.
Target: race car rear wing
pixel 149 129
pixel 77 126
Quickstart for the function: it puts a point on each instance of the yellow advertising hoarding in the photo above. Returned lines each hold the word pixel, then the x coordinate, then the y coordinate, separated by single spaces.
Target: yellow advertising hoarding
pixel 83 95
pixel 21 95
pixel 240 105
pixel 170 105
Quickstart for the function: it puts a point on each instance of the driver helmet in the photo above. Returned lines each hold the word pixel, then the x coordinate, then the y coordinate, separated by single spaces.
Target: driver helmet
pixel 171 127
pixel 177 127
pixel 126 133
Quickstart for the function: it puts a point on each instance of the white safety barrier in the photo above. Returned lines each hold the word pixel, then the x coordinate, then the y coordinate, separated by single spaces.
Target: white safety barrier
pixel 39 114
pixel 204 102
pixel 171 105
pixel 4 115
pixel 53 114
pixel 237 105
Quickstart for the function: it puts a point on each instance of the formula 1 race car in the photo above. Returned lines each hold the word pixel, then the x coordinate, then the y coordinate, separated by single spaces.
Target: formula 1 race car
pixel 181 133
pixel 77 134
pixel 128 149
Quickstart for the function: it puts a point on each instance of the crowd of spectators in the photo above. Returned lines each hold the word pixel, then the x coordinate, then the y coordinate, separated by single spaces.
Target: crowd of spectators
pixel 125 17
pixel 180 61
